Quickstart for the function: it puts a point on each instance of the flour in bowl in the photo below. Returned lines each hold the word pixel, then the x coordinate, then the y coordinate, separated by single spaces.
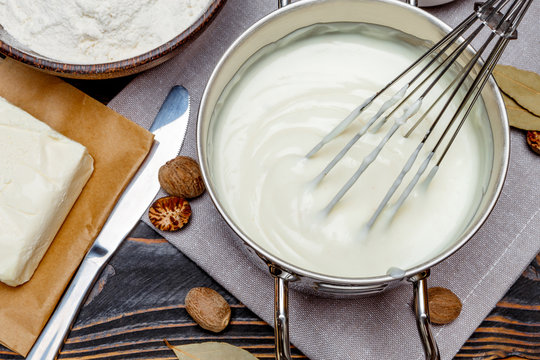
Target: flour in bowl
pixel 97 31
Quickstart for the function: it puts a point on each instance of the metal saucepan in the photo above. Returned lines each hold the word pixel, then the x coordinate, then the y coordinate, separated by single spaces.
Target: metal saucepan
pixel 382 12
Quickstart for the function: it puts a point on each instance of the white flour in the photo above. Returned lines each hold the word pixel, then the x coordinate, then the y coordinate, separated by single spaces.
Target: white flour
pixel 95 31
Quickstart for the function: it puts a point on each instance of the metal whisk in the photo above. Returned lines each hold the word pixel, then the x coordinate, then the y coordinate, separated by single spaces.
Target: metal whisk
pixel 501 19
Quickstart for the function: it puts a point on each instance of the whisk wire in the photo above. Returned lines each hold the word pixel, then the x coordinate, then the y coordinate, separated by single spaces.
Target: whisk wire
pixel 404 195
pixel 447 41
pixel 502 25
pixel 397 97
pixel 407 114
pixel 469 99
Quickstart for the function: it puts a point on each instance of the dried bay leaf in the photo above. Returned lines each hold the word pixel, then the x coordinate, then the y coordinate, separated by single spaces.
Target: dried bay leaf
pixel 521 85
pixel 519 117
pixel 210 351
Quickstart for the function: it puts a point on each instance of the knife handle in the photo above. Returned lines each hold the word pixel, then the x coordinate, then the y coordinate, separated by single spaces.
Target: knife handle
pixel 53 335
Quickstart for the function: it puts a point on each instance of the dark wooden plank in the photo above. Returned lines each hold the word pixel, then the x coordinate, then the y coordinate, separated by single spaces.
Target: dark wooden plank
pixel 512 329
pixel 138 302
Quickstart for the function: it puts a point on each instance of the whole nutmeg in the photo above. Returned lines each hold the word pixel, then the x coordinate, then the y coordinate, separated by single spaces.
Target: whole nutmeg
pixel 208 308
pixel 533 139
pixel 181 177
pixel 444 305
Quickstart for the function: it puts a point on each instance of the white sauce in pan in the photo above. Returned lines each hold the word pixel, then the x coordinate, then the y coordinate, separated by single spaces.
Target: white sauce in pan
pixel 281 103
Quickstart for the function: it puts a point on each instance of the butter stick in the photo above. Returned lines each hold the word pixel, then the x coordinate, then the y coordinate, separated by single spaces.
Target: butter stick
pixel 42 174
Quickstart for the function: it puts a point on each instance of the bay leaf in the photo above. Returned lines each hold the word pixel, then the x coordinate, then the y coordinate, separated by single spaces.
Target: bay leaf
pixel 210 351
pixel 519 117
pixel 521 85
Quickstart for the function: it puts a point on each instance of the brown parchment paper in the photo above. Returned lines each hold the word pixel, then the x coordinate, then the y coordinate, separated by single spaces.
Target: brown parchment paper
pixel 118 147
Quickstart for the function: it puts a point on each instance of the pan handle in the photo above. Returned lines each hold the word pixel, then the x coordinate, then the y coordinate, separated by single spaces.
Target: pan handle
pixel 421 310
pixel 281 312
pixel 283 3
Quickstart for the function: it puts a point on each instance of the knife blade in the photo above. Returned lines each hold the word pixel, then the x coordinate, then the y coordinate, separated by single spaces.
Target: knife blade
pixel 169 129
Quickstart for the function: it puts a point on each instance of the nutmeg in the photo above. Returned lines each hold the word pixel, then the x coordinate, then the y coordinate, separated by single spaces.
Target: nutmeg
pixel 181 177
pixel 533 139
pixel 169 213
pixel 208 308
pixel 444 305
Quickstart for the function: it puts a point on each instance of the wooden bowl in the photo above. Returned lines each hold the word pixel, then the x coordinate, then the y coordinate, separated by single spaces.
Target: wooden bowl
pixel 117 68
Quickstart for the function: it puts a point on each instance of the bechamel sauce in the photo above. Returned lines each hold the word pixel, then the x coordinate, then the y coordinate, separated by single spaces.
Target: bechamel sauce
pixel 281 103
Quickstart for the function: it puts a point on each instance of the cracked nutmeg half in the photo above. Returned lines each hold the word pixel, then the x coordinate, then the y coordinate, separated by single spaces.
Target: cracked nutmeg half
pixel 533 139
pixel 169 213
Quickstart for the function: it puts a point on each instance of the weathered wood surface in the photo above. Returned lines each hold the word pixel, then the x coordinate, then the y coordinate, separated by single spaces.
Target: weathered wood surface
pixel 138 302
pixel 512 329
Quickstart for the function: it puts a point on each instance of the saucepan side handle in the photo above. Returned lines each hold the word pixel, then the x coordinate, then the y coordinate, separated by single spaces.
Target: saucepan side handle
pixel 421 309
pixel 283 3
pixel 281 312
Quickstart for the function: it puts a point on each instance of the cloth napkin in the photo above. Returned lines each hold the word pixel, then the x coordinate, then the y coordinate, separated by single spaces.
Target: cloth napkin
pixel 380 327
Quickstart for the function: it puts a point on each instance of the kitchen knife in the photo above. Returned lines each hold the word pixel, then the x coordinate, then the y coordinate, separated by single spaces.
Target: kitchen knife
pixel 169 128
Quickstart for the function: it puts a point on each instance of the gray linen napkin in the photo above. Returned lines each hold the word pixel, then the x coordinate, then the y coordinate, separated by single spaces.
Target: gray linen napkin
pixel 380 327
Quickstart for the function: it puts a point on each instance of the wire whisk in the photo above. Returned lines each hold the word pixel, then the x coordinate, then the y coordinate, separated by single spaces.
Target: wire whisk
pixel 500 19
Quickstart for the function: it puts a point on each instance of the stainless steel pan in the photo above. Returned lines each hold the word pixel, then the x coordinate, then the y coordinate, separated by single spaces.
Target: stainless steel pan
pixel 383 12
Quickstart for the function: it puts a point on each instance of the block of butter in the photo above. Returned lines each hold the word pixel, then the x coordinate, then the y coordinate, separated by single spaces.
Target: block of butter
pixel 42 174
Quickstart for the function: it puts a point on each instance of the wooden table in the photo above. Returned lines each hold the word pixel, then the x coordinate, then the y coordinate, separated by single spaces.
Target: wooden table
pixel 138 302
